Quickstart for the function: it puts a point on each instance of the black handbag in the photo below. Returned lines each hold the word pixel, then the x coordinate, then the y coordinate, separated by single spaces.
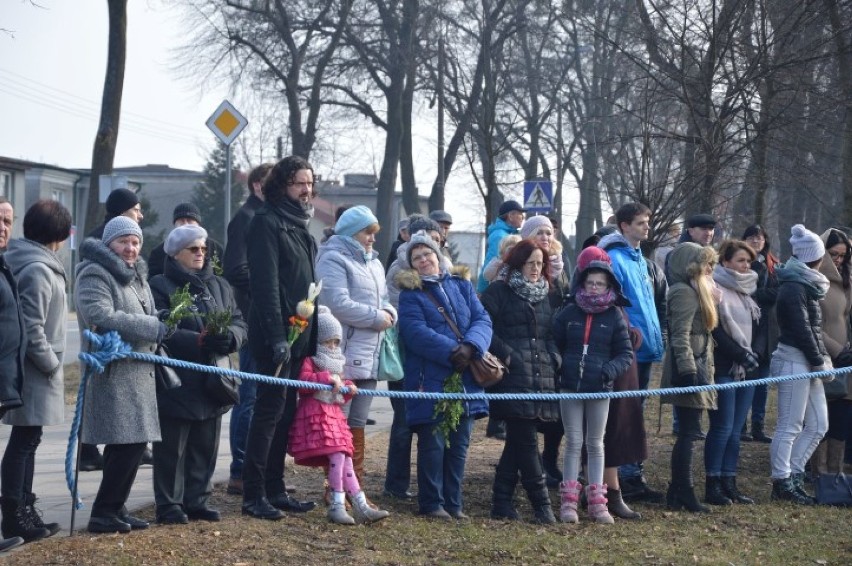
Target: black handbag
pixel 833 489
pixel 223 389
pixel 165 376
pixel 838 388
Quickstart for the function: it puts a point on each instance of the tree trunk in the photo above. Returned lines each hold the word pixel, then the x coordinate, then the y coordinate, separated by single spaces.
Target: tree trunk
pixel 106 138
pixel 844 67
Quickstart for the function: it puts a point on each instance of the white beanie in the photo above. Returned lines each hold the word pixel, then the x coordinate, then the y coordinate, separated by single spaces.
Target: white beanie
pixel 328 327
pixel 180 237
pixel 532 224
pixel 807 246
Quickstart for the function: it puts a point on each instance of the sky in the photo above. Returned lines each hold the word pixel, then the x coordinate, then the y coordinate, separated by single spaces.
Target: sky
pixel 52 62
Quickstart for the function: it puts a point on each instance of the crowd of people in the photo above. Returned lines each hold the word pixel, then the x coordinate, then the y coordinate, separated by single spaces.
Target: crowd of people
pixel 321 313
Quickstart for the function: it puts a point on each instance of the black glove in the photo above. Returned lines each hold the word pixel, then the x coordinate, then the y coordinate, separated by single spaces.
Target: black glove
pixel 461 356
pixel 685 380
pixel 162 332
pixel 163 315
pixel 843 359
pixel 221 344
pixel 751 363
pixel 280 353
pixel 608 382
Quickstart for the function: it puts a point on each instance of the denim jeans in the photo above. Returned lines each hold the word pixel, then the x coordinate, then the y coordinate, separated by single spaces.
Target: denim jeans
pixel 18 464
pixel 241 414
pixel 802 419
pixel 398 474
pixel 634 470
pixel 440 470
pixel 722 447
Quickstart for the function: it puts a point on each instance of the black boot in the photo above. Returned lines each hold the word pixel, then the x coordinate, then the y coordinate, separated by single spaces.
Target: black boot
pixel 783 490
pixel 713 493
pixel 744 435
pixel 496 429
pixel 16 522
pixel 35 515
pixel 799 485
pixel 10 543
pixel 681 493
pixel 758 434
pixel 729 487
pixel 502 495
pixel 540 499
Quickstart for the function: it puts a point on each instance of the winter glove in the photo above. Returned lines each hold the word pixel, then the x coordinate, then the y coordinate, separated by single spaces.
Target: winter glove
pixel 280 353
pixel 461 356
pixel 608 381
pixel 221 344
pixel 163 315
pixel 685 380
pixel 751 363
pixel 162 332
pixel 843 359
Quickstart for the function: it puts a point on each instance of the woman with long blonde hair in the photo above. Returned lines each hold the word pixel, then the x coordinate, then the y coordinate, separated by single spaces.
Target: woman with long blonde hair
pixel 692 316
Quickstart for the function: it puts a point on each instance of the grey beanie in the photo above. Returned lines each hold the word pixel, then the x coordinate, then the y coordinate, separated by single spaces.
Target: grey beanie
pixel 328 327
pixel 181 237
pixel 121 226
pixel 807 246
pixel 422 239
pixel 416 224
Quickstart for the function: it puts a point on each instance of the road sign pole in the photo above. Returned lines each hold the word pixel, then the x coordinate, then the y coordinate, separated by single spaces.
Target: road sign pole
pixel 227 192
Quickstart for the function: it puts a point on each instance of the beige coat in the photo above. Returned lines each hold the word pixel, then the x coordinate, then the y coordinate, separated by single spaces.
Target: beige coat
pixel 835 308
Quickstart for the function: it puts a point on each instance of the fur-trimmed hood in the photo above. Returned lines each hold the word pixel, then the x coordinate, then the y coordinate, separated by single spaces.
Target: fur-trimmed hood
pixel 686 260
pixel 95 251
pixel 410 279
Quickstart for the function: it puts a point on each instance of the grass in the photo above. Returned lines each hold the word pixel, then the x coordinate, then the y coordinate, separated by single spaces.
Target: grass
pixel 766 533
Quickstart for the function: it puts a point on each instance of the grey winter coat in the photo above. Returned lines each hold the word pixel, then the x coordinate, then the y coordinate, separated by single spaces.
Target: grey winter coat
pixel 121 403
pixel 355 291
pixel 41 285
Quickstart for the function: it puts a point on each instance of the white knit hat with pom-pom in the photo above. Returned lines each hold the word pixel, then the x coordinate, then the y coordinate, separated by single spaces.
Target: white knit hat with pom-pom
pixel 807 246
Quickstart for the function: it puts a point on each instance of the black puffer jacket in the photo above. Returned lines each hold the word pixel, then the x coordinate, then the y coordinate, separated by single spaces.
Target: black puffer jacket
pixel 800 321
pixel 281 260
pixel 13 341
pixel 766 333
pixel 210 293
pixel 727 352
pixel 609 355
pixel 522 335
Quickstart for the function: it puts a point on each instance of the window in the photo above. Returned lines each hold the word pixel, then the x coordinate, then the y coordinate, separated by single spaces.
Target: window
pixel 6 185
pixel 58 195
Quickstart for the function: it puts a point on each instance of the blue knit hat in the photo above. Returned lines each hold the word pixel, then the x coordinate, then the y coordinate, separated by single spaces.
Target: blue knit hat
pixel 354 220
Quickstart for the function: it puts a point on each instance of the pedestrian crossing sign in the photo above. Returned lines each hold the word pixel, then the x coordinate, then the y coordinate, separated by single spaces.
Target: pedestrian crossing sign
pixel 538 196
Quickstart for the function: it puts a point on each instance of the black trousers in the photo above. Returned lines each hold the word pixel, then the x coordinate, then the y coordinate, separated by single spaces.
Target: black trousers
pixel 520 452
pixel 266 446
pixel 121 462
pixel 18 466
pixel 689 430
pixel 184 462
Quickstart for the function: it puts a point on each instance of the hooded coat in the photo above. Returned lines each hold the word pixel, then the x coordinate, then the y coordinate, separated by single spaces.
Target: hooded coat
pixel 13 341
pixel 632 272
pixel 690 343
pixel 210 293
pixel 41 280
pixel 429 340
pixel 835 308
pixel 121 402
pixel 498 230
pixel 354 289
pixel 522 335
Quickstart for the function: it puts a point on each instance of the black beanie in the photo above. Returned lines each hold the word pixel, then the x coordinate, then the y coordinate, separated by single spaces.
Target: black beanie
pixel 120 200
pixel 186 210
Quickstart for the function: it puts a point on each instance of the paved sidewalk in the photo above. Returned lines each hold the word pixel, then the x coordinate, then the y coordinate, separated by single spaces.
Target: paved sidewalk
pixel 50 486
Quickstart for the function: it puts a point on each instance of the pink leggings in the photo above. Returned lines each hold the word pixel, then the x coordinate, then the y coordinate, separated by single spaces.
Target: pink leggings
pixel 341 474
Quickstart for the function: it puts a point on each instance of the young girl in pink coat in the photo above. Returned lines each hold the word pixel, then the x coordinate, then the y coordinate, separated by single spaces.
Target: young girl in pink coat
pixel 320 435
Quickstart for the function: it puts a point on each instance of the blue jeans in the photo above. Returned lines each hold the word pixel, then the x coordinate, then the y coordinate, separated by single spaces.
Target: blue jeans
pixel 241 414
pixel 634 470
pixel 398 474
pixel 722 447
pixel 440 470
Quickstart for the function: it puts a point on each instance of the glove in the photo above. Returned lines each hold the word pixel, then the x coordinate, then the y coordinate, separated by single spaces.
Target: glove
pixel 751 363
pixel 162 332
pixel 163 315
pixel 843 359
pixel 280 353
pixel 557 361
pixel 608 382
pixel 461 356
pixel 685 380
pixel 221 344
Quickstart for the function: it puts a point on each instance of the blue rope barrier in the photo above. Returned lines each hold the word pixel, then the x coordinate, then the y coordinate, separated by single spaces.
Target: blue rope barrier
pixel 109 347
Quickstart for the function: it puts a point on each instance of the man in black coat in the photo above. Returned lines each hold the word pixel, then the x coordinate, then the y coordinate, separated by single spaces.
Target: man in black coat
pixel 120 202
pixel 281 262
pixel 236 271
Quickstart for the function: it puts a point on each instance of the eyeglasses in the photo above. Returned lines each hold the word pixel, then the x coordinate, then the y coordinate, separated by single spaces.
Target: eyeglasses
pixel 596 284
pixel 421 257
pixel 836 255
pixel 196 249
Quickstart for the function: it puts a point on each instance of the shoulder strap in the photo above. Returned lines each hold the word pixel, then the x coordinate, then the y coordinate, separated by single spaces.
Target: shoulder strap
pixel 443 311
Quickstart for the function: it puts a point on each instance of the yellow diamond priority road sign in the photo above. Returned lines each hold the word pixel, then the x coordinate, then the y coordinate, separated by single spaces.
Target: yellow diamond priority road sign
pixel 226 122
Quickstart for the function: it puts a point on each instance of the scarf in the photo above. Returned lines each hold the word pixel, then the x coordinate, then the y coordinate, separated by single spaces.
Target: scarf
pixel 358 248
pixel 594 304
pixel 815 282
pixel 295 212
pixel 738 310
pixel 531 292
pixel 331 360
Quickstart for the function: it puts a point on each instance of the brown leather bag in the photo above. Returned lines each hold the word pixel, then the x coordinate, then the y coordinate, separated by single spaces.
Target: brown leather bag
pixel 488 370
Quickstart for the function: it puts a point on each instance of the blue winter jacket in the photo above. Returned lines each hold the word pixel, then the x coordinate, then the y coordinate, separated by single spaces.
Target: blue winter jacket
pixel 496 232
pixel 429 341
pixel 629 267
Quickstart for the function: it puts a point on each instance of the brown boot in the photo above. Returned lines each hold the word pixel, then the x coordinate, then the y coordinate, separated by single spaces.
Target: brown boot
pixel 835 452
pixel 819 459
pixel 360 448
